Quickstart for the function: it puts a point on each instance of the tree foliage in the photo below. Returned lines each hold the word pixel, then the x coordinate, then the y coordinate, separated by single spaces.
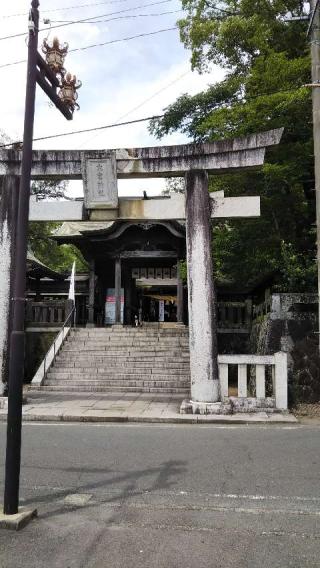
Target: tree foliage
pixel 57 257
pixel 266 61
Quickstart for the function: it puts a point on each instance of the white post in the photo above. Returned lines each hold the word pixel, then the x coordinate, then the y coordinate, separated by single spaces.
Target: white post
pixel 260 381
pixel 242 380
pixel 281 380
pixel 224 377
pixel 201 294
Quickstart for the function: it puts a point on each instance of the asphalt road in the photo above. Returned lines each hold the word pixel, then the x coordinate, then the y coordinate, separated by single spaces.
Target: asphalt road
pixel 162 496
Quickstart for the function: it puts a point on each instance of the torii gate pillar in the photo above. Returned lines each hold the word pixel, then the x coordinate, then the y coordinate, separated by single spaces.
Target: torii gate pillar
pixel 9 191
pixel 201 291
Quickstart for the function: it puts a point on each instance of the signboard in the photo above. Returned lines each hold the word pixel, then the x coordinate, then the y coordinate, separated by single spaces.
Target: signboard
pixel 100 180
pixel 110 306
pixel 158 273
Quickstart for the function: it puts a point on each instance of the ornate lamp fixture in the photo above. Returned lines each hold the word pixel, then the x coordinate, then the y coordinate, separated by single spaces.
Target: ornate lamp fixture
pixel 55 55
pixel 68 91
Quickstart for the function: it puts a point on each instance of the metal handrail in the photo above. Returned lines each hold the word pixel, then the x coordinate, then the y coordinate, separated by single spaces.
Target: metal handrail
pixel 61 330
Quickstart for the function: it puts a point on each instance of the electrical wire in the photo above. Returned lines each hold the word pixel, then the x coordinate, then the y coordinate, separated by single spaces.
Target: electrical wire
pixel 123 39
pixel 18 143
pixel 96 128
pixel 64 9
pixel 126 17
pixel 142 103
pixel 98 44
pixel 90 19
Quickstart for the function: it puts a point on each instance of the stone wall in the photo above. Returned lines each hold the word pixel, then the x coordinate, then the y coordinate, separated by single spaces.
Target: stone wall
pixel 37 345
pixel 291 322
pixel 291 318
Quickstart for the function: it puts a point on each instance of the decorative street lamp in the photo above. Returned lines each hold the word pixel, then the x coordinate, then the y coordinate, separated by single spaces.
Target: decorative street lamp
pixel 55 55
pixel 50 75
pixel 68 91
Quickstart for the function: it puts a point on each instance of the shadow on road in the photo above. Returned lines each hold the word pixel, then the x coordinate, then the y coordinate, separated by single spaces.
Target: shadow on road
pixel 163 477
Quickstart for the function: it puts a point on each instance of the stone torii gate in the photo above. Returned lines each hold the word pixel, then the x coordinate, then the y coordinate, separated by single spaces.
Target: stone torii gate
pixel 100 171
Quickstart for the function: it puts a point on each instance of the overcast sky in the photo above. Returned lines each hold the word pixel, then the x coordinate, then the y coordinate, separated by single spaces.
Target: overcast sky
pixel 116 78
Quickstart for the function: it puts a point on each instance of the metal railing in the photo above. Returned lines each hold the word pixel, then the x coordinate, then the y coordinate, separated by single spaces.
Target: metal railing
pixel 54 349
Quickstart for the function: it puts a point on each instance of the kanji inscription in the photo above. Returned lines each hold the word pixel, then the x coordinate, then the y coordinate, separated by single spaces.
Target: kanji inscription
pixel 100 181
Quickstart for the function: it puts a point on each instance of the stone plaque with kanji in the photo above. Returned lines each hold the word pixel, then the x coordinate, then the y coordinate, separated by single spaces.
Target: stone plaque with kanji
pixel 100 181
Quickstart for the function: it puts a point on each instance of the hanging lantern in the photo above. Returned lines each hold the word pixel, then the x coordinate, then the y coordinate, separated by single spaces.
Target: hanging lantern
pixel 55 55
pixel 68 91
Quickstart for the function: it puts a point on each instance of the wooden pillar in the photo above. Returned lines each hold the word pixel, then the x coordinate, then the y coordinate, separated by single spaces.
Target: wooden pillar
pixel 127 296
pixel 180 299
pixel 9 192
pixel 117 286
pixel 201 291
pixel 38 290
pixel 91 294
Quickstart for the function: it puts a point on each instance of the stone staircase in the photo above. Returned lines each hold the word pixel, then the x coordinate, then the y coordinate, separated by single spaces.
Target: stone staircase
pixel 150 359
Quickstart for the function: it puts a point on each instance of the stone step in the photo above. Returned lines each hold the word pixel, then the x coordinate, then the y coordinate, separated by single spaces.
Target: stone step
pixel 122 361
pixel 135 381
pixel 130 352
pixel 106 346
pixel 65 376
pixel 127 341
pixel 94 364
pixel 105 388
pixel 129 330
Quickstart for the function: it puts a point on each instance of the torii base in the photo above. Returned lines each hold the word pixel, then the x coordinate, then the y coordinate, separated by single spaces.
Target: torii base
pixel 193 407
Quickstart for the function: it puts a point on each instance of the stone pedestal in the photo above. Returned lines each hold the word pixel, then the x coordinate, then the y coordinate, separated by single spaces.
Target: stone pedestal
pixel 19 520
pixel 193 407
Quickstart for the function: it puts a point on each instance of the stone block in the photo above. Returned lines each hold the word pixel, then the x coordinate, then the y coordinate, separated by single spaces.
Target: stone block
pixel 250 404
pixel 19 520
pixel 192 407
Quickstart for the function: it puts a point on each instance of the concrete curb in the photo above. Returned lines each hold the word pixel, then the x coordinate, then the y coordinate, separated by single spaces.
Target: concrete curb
pixel 178 419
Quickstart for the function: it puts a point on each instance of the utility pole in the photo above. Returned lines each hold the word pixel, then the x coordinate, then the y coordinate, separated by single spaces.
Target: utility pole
pixel 314 29
pixel 38 71
pixel 17 340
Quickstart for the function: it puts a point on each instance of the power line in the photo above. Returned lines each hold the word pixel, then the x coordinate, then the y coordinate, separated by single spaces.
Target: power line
pixel 18 143
pixel 98 44
pixel 64 9
pixel 123 39
pixel 96 128
pixel 89 4
pixel 127 17
pixel 144 102
pixel 13 63
pixel 84 20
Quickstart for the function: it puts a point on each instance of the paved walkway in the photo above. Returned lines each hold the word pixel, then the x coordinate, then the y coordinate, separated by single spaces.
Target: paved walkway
pixel 125 407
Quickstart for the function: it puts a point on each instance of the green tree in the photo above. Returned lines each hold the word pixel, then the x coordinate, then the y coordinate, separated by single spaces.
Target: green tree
pixel 57 257
pixel 267 64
